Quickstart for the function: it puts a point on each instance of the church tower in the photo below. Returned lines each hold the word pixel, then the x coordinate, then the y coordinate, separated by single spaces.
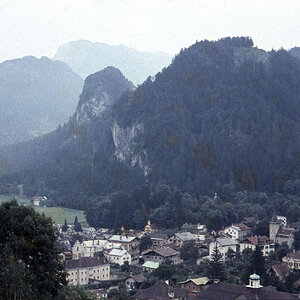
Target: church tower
pixel 274 226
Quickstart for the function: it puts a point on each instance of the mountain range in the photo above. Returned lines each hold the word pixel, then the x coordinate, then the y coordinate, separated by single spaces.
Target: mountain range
pixel 86 57
pixel 223 112
pixel 36 95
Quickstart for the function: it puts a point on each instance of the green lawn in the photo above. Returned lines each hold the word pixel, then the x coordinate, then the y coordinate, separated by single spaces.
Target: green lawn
pixel 58 214
pixel 21 199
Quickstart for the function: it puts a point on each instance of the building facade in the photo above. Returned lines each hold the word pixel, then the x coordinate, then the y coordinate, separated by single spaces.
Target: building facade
pixel 81 270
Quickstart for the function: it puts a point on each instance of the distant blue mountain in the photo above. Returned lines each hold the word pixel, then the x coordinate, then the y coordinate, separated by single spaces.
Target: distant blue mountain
pixel 36 95
pixel 85 57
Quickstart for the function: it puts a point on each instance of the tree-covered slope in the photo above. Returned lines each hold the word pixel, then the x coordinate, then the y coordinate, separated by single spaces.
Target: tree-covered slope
pixel 222 112
pixel 36 95
pixel 85 58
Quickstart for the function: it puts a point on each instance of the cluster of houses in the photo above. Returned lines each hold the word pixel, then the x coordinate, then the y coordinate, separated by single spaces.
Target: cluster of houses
pixel 91 260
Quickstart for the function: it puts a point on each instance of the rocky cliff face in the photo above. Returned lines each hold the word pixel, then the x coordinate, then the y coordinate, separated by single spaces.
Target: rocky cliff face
pixel 100 92
pixel 126 146
pixel 222 112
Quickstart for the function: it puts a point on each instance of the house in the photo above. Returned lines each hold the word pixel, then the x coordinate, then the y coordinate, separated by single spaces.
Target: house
pixel 89 248
pixel 263 242
pixel 285 235
pixel 223 244
pixel 162 254
pixel 253 291
pixel 279 233
pixel 129 243
pixel 150 266
pixel 161 291
pixel 198 229
pixel 118 256
pixel 238 231
pixel 134 281
pixel 292 260
pixel 85 268
pixel 35 201
pixel 158 239
pixel 194 285
pixel 180 238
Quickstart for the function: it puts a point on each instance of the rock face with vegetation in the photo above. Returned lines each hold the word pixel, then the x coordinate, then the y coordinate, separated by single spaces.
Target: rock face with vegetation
pixel 85 58
pixel 223 114
pixel 36 95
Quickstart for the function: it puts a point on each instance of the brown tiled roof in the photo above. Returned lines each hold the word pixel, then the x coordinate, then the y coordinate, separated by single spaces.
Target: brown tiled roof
pixel 84 262
pixel 221 291
pixel 286 231
pixel 165 252
pixel 242 226
pixel 294 255
pixel 227 291
pixel 258 240
pixel 139 278
pixel 267 293
pixel 159 291
pixel 281 270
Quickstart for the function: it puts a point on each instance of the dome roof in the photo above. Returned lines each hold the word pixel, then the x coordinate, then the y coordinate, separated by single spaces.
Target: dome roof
pixel 254 277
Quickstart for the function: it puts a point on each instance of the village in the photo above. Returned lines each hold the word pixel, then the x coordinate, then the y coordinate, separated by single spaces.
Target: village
pixel 155 264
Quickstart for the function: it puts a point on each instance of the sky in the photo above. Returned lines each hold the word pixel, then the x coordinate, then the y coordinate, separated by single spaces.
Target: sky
pixel 39 27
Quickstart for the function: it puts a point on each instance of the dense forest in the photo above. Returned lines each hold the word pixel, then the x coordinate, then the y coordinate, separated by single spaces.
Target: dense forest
pixel 223 117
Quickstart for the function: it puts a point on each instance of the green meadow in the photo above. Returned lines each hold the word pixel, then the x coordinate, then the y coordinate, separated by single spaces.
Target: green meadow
pixel 58 214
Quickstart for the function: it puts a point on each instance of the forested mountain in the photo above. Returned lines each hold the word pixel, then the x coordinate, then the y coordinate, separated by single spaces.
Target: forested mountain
pixel 36 95
pixel 85 58
pixel 223 114
pixel 295 52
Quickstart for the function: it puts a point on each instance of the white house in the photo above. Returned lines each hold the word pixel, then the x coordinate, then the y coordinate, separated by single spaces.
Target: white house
pixel 85 268
pixel 88 248
pixel 265 244
pixel 223 245
pixel 118 256
pixel 130 243
pixel 238 231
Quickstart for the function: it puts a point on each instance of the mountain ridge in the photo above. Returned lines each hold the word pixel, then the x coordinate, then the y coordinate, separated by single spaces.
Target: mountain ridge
pixel 36 95
pixel 86 57
pixel 204 121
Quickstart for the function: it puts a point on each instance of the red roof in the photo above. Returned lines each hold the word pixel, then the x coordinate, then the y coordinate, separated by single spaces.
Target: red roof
pixel 259 240
pixel 286 231
pixel 281 270
pixel 294 255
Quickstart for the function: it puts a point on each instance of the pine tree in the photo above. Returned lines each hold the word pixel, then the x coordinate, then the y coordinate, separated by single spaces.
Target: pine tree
pixel 77 225
pixel 215 268
pixel 256 265
pixel 65 226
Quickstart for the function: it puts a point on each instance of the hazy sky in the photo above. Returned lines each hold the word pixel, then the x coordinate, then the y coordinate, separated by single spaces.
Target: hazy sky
pixel 38 27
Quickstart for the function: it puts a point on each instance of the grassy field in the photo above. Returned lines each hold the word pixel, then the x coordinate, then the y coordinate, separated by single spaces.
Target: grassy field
pixel 21 199
pixel 58 214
